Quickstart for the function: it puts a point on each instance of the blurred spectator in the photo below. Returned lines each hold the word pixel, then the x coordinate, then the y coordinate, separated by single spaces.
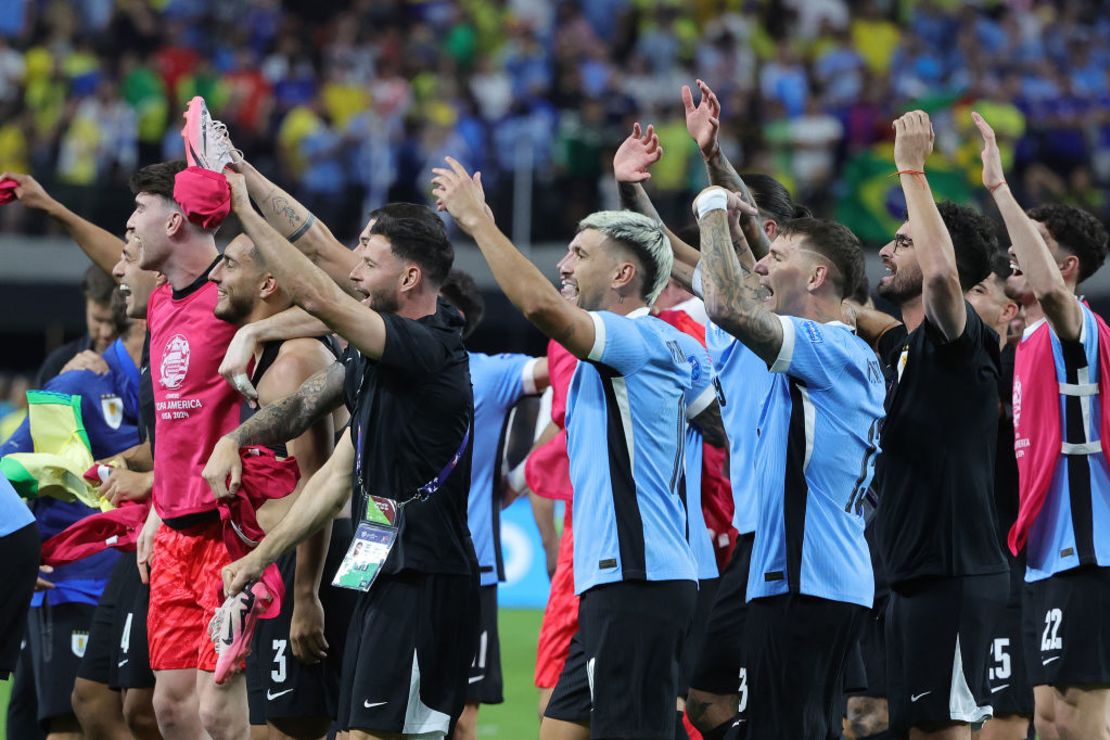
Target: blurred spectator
pixel 103 321
pixel 351 104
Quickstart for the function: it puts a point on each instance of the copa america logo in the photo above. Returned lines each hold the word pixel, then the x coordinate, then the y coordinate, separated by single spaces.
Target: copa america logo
pixel 175 361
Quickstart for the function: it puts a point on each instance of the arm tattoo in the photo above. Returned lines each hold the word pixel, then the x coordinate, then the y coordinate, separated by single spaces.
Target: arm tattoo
pixel 635 198
pixel 731 297
pixel 291 417
pixel 282 207
pixel 722 173
pixel 712 428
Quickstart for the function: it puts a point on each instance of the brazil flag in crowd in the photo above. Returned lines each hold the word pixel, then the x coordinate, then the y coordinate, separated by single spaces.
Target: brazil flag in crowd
pixel 872 204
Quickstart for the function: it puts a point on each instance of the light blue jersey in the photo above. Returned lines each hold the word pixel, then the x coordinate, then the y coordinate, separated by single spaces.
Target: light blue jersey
pixel 14 512
pixel 1073 527
pixel 814 459
pixel 742 381
pixel 626 433
pixel 499 382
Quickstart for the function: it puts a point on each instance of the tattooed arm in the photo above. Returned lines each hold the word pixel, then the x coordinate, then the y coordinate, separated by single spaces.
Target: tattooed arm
pixel 702 122
pixel 732 298
pixel 276 423
pixel 297 224
pixel 711 426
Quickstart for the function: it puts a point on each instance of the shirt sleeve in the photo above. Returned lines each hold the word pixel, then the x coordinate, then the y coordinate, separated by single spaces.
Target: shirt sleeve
pixel 701 393
pixel 975 333
pixel 811 351
pixel 414 347
pixel 514 378
pixel 618 343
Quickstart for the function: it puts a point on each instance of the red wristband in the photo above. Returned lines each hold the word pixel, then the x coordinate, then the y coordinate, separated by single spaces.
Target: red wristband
pixel 996 186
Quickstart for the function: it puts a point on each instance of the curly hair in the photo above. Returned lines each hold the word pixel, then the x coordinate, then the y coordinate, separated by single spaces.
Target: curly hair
pixel 973 239
pixel 1078 232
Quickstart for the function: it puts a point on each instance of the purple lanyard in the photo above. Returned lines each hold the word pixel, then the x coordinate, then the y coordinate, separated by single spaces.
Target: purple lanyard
pixel 424 492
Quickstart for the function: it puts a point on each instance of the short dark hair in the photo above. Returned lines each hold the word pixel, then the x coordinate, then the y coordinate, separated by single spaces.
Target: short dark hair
pixel 157 179
pixel 836 243
pixel 773 197
pixel 862 293
pixel 416 234
pixel 462 292
pixel 98 286
pixel 973 239
pixel 1077 231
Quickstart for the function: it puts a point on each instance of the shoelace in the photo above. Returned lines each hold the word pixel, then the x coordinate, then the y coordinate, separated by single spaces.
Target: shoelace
pixel 223 141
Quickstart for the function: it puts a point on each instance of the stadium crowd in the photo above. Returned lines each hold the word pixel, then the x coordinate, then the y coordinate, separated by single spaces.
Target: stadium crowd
pixel 262 497
pixel 352 106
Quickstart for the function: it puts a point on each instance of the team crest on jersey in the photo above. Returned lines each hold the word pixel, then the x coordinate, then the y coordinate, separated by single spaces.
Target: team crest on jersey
pixel 695 367
pixel 111 408
pixel 1017 401
pixel 175 361
pixel 78 640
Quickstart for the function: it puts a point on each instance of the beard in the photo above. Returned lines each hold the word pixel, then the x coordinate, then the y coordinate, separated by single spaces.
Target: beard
pixel 903 287
pixel 233 309
pixel 384 301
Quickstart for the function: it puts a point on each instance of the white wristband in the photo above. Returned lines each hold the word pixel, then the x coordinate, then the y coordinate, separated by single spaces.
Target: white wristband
pixel 711 200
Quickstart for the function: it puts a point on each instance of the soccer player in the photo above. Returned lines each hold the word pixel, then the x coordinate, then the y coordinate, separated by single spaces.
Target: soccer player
pixel 718 683
pixel 499 382
pixel 1011 692
pixel 936 523
pixel 294 666
pixel 19 559
pixel 810 580
pixel 412 637
pixel 626 419
pixel 61 615
pixel 181 547
pixel 1059 424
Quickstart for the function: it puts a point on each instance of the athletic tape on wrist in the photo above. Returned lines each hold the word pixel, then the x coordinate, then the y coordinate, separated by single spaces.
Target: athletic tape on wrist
pixel 712 200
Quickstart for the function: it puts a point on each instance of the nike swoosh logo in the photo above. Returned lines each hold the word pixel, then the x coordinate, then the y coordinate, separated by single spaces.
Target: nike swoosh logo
pixel 369 705
pixel 476 679
pixel 996 689
pixel 271 696
pixel 915 697
pixel 122 662
pixel 1046 661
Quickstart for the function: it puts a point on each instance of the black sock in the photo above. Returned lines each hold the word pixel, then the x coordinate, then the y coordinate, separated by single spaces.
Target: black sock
pixel 680 727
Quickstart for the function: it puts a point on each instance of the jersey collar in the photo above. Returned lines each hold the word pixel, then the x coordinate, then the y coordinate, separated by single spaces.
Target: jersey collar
pixel 638 313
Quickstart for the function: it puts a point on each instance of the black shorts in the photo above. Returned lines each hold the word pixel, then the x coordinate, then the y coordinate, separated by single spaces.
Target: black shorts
pixel 131 667
pixel 939 636
pixel 408 653
pixel 485 683
pixel 795 649
pixel 58 635
pixel 717 669
pixel 621 675
pixel 695 636
pixel 866 671
pixel 1011 692
pixel 1066 629
pixel 103 643
pixel 19 561
pixel 278 685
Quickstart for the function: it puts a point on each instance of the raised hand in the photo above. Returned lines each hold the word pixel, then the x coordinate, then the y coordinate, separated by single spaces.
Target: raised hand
pixel 913 140
pixel 238 185
pixel 636 154
pixel 30 193
pixel 993 175
pixel 704 119
pixel 460 194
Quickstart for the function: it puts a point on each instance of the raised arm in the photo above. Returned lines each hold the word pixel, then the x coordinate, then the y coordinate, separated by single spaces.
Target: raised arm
pixel 940 280
pixel 703 121
pixel 300 226
pixel 101 246
pixel 520 280
pixel 1033 256
pixel 630 168
pixel 305 283
pixel 732 298
pixel 276 423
